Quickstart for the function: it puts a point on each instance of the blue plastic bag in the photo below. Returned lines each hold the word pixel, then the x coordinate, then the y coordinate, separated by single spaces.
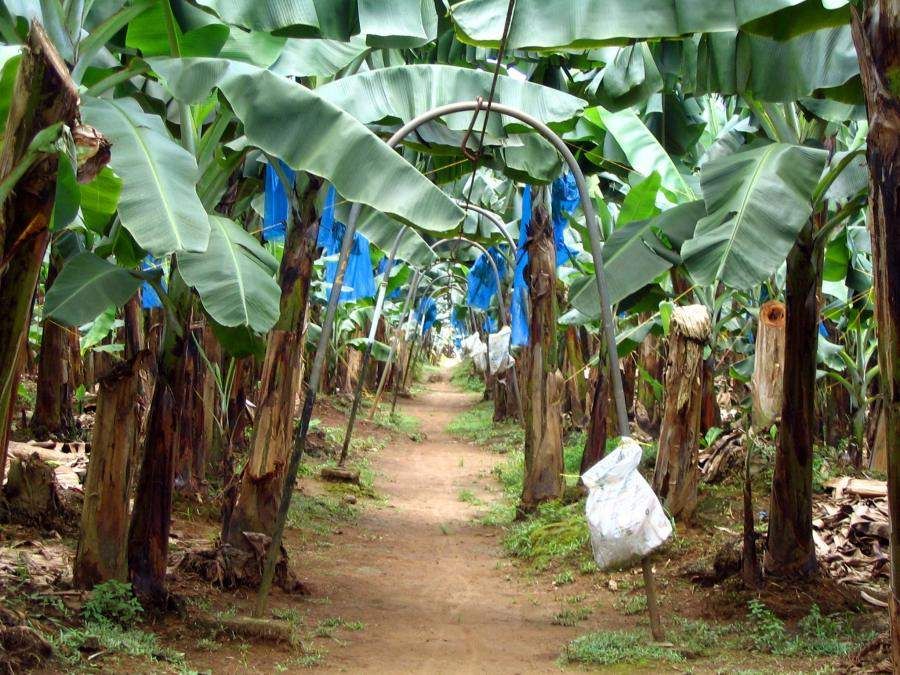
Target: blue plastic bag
pixel 276 205
pixel 565 199
pixel 482 283
pixel 359 279
pixel 426 314
pixel 149 297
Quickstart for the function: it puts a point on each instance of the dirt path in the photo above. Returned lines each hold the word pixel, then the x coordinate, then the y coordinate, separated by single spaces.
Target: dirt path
pixel 429 583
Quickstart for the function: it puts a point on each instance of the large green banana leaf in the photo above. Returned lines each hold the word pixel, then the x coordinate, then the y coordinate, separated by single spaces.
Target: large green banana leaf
pixel 772 70
pixel 404 92
pixel 234 277
pixel 756 201
pixel 397 23
pixel 86 286
pixel 642 149
pixel 316 58
pixel 579 24
pixel 291 122
pixel 159 203
pixel 635 255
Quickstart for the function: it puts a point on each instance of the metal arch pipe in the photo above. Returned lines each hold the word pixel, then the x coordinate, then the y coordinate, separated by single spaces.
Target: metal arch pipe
pixel 596 238
pixel 503 320
pixel 596 241
pixel 491 216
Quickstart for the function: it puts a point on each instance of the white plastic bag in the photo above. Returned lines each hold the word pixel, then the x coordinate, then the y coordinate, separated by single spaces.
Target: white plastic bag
pixel 625 518
pixel 473 347
pixel 499 356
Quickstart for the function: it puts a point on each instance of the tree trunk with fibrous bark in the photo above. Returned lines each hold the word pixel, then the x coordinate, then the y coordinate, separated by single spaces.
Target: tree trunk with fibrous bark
pixel 43 95
pixel 876 35
pixel 544 386
pixel 677 472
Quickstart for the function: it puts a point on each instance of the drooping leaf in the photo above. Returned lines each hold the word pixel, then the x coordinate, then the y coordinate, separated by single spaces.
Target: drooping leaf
pixel 86 286
pixel 564 24
pixel 403 92
pixel 737 62
pixel 288 121
pixel 380 351
pixel 757 201
pixel 99 199
pixel 159 203
pixel 316 58
pixel 636 254
pixel 234 277
pixel 642 149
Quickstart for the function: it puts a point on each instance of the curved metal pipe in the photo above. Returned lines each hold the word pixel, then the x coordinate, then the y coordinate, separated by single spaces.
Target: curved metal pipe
pixel 596 241
pixel 503 320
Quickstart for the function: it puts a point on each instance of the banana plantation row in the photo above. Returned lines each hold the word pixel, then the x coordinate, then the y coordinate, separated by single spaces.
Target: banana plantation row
pixel 176 179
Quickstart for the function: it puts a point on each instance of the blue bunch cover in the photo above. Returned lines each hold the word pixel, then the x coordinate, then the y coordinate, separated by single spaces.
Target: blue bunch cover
pixel 149 297
pixel 489 324
pixel 276 205
pixel 519 302
pixel 565 199
pixel 359 279
pixel 482 284
pixel 426 314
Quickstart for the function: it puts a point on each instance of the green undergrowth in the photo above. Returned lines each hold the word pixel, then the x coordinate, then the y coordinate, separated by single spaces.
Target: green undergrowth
pixel 691 639
pixel 399 422
pixel 477 425
pixel 556 534
pixel 463 377
pixel 109 617
pixel 320 514
pixel 816 634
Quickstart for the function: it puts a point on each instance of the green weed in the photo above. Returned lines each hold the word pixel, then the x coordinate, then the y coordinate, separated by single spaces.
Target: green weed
pixel 556 531
pixel 563 578
pixel 569 616
pixel 632 604
pixel 112 602
pixel 463 376
pixel 609 648
pixel 816 634
pixel 469 497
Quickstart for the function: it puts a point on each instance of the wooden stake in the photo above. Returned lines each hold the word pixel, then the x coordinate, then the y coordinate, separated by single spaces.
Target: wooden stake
pixel 652 606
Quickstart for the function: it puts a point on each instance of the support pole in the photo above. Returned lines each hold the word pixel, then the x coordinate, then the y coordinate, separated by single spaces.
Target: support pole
pixel 367 353
pixel 315 376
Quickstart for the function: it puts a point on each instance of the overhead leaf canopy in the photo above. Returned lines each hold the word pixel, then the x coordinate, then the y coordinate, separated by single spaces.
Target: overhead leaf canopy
pixel 289 121
pixel 564 24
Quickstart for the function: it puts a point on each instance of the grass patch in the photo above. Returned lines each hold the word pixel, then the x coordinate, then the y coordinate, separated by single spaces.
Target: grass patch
pixel 570 616
pixel 816 634
pixel 477 426
pixel 398 422
pixel 632 604
pixel 469 497
pixel 463 376
pixel 319 514
pixel 557 532
pixel 609 648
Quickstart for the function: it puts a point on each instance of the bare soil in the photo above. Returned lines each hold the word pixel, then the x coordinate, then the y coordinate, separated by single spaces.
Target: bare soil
pixel 414 584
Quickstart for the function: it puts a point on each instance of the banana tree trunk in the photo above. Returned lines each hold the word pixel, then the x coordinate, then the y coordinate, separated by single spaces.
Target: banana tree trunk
pixel 53 412
pixel 598 426
pixel 43 95
pixel 877 38
pixel 270 449
pixel 789 549
pixel 577 385
pixel 677 473
pixel 101 553
pixel 768 365
pixel 148 534
pixel 544 387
